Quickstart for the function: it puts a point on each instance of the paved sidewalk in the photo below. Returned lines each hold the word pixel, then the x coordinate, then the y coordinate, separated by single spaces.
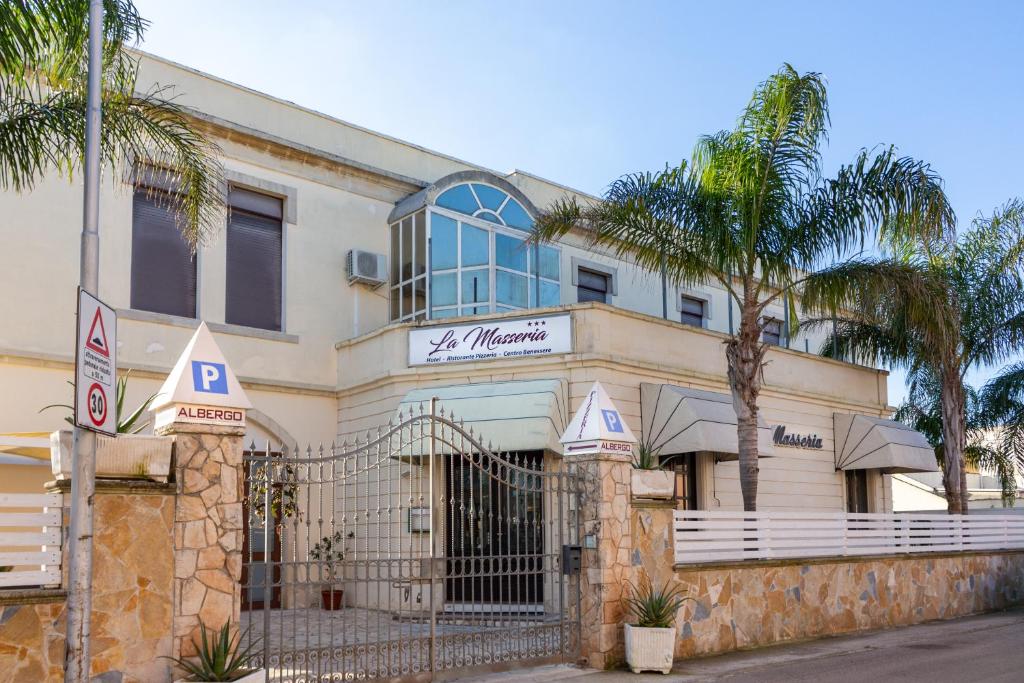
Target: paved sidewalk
pixel 987 648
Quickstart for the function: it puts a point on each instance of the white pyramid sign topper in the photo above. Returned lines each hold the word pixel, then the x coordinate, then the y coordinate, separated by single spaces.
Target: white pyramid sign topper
pixel 201 388
pixel 598 427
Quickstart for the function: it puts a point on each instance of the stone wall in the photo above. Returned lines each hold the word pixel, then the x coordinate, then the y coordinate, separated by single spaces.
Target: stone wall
pixel 132 592
pixel 604 508
pixel 751 604
pixel 207 530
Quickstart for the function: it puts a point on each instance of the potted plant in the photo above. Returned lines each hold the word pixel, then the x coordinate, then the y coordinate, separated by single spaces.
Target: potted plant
pixel 330 550
pixel 648 480
pixel 220 659
pixel 129 455
pixel 651 639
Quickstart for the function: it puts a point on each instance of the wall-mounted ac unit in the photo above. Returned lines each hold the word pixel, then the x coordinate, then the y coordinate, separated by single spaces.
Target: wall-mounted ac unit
pixel 366 268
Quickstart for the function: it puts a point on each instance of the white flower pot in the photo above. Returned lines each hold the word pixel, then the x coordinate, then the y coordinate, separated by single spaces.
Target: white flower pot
pixel 655 484
pixel 128 456
pixel 257 676
pixel 650 649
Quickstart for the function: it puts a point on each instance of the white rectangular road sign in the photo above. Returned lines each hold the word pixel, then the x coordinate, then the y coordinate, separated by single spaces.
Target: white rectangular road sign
pixel 96 365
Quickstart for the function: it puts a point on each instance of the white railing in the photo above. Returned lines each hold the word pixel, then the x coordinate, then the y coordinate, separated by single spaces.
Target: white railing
pixel 30 540
pixel 704 536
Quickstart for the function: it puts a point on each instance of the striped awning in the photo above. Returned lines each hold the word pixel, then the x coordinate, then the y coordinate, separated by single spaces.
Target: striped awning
pixel 683 420
pixel 866 443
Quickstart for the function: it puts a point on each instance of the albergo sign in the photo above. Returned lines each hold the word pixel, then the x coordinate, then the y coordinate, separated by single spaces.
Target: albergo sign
pixel 490 340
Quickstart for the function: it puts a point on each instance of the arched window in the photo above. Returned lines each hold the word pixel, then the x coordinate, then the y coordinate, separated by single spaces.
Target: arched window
pixel 465 253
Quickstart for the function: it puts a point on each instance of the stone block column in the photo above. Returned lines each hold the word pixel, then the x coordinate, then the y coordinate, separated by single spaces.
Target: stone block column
pixel 607 546
pixel 207 529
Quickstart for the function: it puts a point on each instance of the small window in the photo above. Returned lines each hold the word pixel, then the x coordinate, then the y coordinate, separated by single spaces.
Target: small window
pixel 857 491
pixel 772 331
pixel 163 265
pixel 692 311
pixel 254 260
pixel 592 286
pixel 684 469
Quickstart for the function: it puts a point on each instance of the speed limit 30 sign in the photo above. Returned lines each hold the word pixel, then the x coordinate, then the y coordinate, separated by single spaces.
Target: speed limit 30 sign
pixel 95 365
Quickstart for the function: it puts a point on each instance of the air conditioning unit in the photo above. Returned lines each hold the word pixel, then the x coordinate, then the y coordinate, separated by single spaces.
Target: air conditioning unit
pixel 366 268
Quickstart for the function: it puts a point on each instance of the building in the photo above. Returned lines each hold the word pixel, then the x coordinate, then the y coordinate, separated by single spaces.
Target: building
pixel 330 340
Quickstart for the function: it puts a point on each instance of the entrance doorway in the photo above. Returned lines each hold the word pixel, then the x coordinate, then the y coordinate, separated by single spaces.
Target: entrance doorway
pixel 496 547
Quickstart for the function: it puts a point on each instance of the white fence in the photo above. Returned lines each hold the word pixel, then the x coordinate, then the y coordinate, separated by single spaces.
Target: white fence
pixel 30 539
pixel 704 536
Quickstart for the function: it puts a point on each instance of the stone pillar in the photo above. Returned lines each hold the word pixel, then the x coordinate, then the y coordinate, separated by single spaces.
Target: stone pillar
pixel 607 546
pixel 207 529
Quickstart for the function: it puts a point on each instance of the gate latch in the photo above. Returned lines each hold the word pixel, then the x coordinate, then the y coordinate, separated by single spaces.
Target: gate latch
pixel 571 559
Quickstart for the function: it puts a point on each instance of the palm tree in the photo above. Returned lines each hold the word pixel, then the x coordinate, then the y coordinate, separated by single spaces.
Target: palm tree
pixel 938 309
pixel 985 444
pixel 43 78
pixel 753 213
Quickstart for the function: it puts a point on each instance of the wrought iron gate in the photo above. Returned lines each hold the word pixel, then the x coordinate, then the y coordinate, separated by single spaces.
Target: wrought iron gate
pixel 415 553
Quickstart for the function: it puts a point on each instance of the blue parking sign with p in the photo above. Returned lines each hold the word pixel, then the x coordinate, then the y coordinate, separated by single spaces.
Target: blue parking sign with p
pixel 612 420
pixel 209 377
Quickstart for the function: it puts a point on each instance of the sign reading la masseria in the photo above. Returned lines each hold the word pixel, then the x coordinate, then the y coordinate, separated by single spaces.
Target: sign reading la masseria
pixel 490 340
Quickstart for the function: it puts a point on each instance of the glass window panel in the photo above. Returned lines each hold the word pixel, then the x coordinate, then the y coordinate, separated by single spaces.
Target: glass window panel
pixel 504 309
pixel 396 311
pixel 443 291
pixel 437 314
pixel 475 310
pixel 406 299
pixel 420 294
pixel 550 293
pixel 772 333
pixel 475 286
pixel 692 311
pixel 515 215
pixel 395 253
pixel 490 197
pixel 420 238
pixel 510 252
pixel 406 271
pixel 511 289
pixel 475 246
pixel 459 198
pixel 549 263
pixel 488 216
pixel 443 242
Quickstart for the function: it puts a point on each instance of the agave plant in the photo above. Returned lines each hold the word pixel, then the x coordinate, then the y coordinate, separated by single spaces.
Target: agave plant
pixel 655 608
pixel 218 658
pixel 646 457
pixel 125 424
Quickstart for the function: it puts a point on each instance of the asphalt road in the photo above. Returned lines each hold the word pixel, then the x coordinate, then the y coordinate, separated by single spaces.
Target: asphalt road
pixel 986 648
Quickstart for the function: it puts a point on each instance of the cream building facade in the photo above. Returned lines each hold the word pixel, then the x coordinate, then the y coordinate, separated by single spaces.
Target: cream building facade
pixel 329 358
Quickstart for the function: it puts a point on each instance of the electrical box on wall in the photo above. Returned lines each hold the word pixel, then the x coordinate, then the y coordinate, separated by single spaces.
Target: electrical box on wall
pixel 367 268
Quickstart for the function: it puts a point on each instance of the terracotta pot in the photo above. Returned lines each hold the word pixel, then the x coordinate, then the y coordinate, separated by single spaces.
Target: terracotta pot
pixel 332 599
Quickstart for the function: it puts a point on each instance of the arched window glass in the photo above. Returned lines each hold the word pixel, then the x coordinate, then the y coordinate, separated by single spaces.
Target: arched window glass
pixel 478 260
pixel 487 203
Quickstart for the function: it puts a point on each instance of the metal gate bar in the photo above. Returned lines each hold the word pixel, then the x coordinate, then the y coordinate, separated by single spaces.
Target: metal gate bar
pixel 415 553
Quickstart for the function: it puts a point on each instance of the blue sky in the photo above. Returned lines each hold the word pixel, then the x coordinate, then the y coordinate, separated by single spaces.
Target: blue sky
pixel 582 92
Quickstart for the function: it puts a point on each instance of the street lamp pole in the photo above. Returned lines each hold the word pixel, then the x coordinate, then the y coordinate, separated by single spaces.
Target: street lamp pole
pixel 83 480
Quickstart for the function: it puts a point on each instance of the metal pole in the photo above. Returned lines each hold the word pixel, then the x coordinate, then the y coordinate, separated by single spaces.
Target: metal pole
pixel 430 512
pixel 83 484
pixel 664 286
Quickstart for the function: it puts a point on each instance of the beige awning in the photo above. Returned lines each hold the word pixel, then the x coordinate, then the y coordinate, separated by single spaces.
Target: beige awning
pixel 26 444
pixel 682 420
pixel 868 443
pixel 520 415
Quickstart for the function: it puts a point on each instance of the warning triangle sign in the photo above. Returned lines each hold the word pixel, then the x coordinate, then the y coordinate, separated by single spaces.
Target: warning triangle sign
pixel 97 339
